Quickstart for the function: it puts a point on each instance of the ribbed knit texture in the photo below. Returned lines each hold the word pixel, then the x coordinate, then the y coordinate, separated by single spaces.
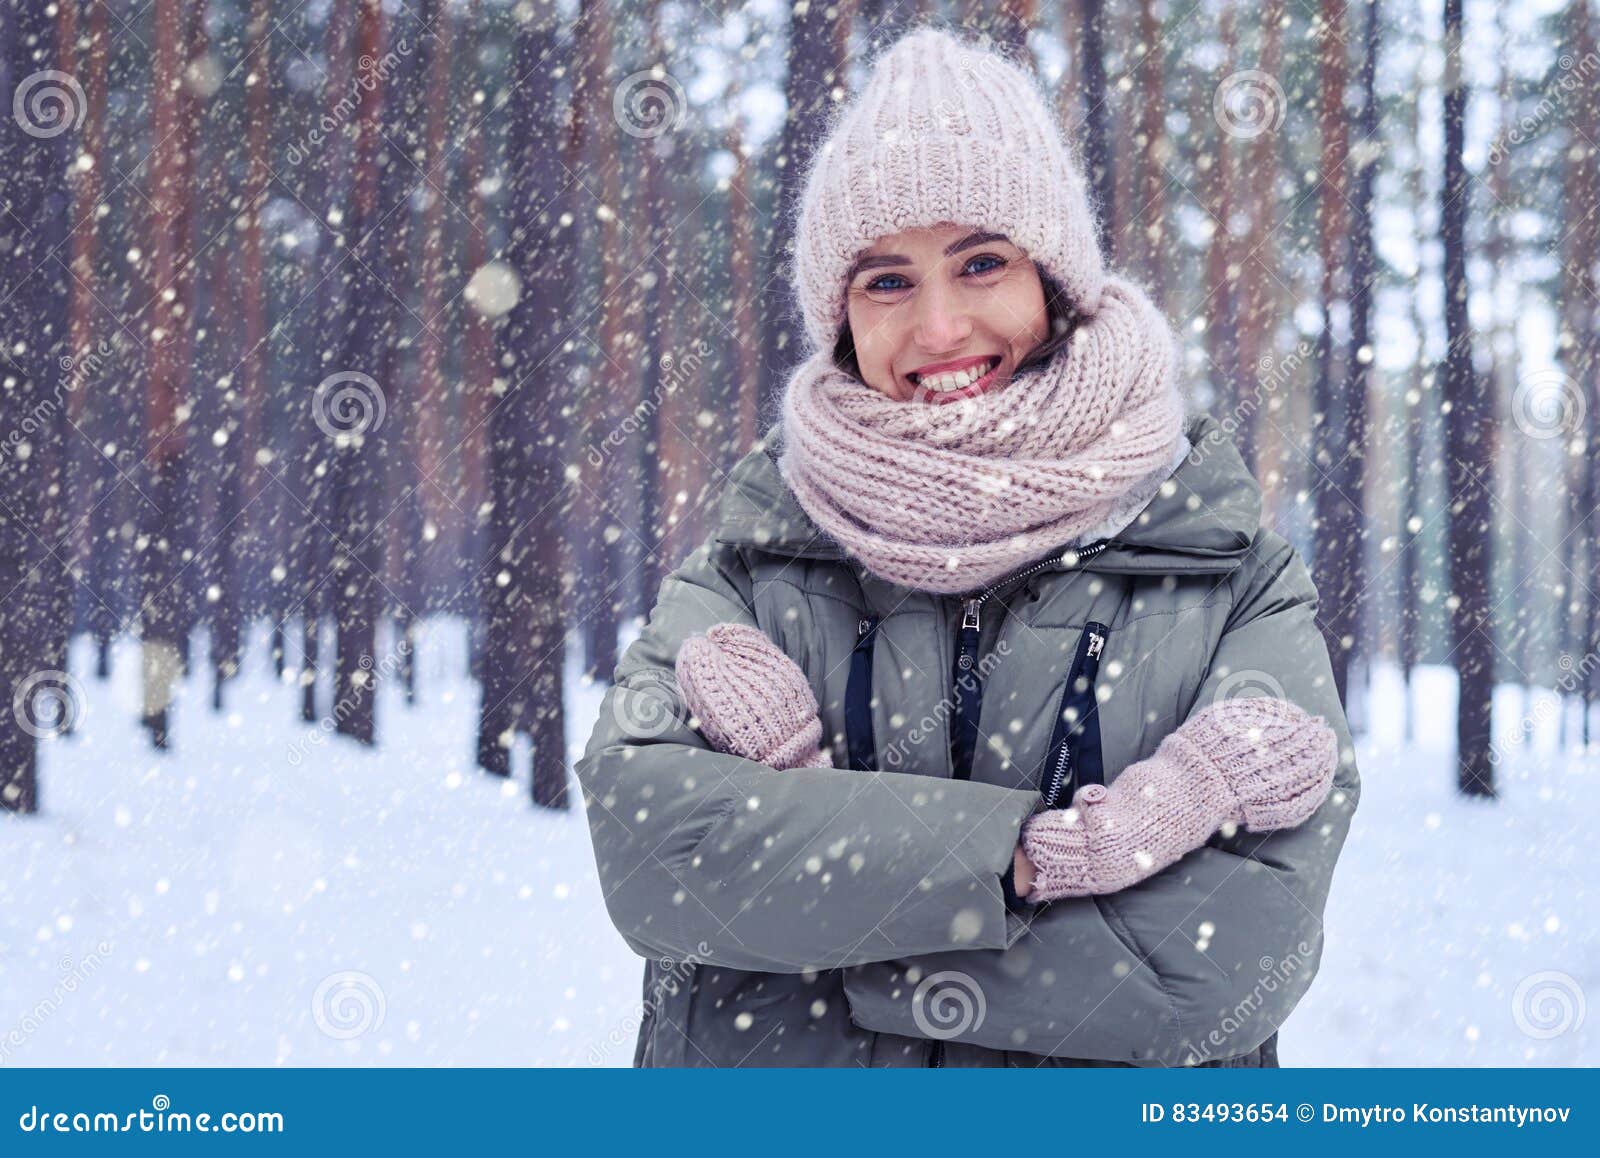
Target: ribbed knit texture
pixel 1136 499
pixel 943 130
pixel 750 698
pixel 949 497
pixel 1259 761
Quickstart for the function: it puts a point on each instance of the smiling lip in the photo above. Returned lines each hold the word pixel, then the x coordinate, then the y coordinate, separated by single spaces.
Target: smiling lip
pixel 971 390
pixel 946 367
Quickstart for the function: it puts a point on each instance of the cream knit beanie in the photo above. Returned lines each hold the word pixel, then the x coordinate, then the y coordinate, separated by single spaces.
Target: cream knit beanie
pixel 945 130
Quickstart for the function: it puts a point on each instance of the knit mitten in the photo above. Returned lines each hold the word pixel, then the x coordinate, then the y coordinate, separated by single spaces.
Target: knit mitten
pixel 1260 761
pixel 750 699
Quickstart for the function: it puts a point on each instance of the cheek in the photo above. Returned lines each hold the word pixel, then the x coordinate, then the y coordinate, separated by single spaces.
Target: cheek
pixel 865 322
pixel 856 319
pixel 1021 313
pixel 873 340
pixel 872 354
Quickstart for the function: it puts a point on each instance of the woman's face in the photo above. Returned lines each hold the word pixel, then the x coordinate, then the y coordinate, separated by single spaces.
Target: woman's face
pixel 932 309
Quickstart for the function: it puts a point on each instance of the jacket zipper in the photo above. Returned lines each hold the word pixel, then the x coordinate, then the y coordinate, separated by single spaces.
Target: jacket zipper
pixel 968 688
pixel 1077 702
pixel 859 745
pixel 969 691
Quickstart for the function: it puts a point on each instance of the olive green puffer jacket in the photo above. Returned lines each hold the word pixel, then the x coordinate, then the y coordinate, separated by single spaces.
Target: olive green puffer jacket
pixel 855 915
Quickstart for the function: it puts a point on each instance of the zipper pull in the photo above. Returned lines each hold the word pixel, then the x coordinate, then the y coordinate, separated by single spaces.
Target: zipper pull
pixel 1096 642
pixel 968 693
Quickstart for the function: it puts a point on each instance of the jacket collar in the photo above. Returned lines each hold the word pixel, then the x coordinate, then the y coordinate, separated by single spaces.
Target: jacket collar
pixel 1203 519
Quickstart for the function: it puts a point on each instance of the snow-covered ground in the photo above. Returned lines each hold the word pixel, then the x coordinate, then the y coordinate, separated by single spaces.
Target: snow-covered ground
pixel 1460 931
pixel 265 891
pixel 266 894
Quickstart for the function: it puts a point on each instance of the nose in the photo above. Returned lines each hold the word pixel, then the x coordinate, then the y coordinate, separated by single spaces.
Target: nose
pixel 943 322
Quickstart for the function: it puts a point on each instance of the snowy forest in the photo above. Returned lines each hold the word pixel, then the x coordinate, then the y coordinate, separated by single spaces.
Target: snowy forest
pixel 365 365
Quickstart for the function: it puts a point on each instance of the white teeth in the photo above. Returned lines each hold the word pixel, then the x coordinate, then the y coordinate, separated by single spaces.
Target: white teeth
pixel 940 383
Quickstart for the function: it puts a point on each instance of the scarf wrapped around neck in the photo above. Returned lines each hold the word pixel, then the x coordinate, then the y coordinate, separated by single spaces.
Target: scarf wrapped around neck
pixel 950 497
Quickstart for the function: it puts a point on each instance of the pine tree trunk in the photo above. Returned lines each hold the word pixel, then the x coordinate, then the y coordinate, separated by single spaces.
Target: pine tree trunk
pixel 1467 443
pixel 525 631
pixel 1258 281
pixel 1096 121
pixel 359 380
pixel 816 64
pixel 607 508
pixel 1338 515
pixel 169 309
pixel 477 373
pixel 35 315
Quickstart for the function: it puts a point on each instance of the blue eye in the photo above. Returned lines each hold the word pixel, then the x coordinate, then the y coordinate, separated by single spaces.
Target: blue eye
pixel 876 285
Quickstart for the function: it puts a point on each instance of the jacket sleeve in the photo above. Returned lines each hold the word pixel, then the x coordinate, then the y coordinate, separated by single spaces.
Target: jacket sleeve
pixel 708 856
pixel 1202 960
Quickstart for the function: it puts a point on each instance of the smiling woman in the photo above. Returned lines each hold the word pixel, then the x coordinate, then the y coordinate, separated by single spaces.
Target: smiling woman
pixel 924 623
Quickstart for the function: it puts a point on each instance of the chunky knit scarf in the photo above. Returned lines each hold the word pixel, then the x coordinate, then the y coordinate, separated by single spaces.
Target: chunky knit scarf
pixel 949 497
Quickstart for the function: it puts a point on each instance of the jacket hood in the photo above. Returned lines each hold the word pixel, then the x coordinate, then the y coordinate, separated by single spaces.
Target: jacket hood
pixel 1205 521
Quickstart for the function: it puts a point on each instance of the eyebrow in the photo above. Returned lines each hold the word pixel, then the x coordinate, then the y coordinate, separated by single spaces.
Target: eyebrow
pixel 885 259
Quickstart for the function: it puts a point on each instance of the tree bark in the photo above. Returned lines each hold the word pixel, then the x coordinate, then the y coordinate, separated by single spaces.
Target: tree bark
pixel 524 646
pixel 1467 445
